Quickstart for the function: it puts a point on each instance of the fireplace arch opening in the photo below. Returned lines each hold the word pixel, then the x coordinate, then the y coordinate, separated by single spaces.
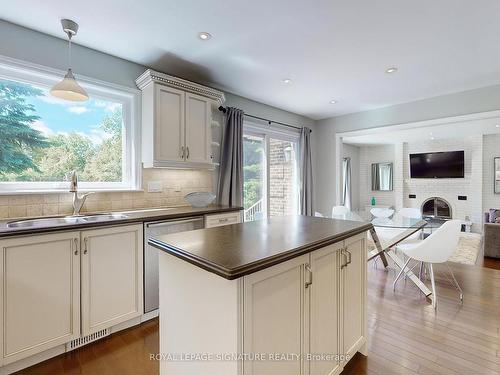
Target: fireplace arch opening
pixel 436 208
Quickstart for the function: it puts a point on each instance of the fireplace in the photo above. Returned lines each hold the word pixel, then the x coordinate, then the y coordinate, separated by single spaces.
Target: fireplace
pixel 436 208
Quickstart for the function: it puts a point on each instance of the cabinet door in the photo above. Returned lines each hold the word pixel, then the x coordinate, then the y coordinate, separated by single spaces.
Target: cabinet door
pixel 112 273
pixel 40 293
pixel 354 296
pixel 198 131
pixel 325 310
pixel 169 136
pixel 274 316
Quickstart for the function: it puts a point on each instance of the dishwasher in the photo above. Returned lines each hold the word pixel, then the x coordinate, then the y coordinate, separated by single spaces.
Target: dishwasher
pixel 151 273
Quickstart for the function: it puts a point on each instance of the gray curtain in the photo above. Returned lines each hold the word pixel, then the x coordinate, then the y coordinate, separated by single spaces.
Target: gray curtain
pixel 346 187
pixel 305 174
pixel 231 163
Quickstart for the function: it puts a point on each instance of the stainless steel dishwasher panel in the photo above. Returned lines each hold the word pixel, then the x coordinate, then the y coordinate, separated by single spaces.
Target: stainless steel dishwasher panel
pixel 151 274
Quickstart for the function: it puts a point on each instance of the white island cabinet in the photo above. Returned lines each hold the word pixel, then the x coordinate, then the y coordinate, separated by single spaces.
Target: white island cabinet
pixel 259 298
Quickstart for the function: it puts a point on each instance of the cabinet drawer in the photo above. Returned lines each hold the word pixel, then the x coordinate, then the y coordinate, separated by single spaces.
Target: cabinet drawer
pixel 222 219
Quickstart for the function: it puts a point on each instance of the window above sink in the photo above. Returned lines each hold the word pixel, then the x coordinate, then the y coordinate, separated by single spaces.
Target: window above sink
pixel 44 138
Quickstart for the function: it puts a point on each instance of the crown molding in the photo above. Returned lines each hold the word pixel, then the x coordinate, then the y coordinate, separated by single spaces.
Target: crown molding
pixel 153 76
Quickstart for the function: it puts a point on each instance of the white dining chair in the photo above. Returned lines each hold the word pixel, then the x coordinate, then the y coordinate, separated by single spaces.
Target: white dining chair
pixel 435 249
pixel 339 210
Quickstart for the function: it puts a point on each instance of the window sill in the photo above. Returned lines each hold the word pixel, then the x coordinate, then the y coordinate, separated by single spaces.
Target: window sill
pixel 62 191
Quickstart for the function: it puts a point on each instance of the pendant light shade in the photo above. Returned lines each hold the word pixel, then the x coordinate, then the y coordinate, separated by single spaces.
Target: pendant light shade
pixel 68 88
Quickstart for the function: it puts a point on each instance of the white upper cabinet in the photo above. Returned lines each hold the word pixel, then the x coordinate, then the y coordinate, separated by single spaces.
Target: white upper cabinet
pixel 177 120
pixel 170 131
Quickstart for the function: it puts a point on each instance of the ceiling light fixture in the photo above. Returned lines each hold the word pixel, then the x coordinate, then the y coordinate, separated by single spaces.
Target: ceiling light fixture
pixel 498 126
pixel 391 70
pixel 68 88
pixel 333 102
pixel 287 81
pixel 204 35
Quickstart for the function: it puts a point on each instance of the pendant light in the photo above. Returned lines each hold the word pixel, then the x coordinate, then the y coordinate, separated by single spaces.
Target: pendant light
pixel 68 88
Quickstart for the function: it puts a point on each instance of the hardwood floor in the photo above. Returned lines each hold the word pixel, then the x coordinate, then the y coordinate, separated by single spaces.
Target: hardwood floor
pixel 406 335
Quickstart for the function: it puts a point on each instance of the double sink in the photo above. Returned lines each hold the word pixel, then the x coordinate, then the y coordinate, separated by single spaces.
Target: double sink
pixel 61 220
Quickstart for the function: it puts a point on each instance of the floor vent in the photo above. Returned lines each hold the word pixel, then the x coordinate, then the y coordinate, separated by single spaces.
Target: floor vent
pixel 76 343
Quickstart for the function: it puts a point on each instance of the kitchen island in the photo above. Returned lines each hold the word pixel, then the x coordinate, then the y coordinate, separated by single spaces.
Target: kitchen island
pixel 285 295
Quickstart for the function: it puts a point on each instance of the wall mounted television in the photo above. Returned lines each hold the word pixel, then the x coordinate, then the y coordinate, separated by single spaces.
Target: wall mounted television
pixel 449 164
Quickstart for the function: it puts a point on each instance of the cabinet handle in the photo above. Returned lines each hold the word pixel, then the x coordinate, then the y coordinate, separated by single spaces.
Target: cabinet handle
pixel 182 152
pixel 187 149
pixel 75 241
pixel 85 251
pixel 344 256
pixel 309 276
pixel 349 257
pixel 223 220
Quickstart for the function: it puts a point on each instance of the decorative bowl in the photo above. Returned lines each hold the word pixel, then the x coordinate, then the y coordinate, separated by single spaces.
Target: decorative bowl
pixel 200 199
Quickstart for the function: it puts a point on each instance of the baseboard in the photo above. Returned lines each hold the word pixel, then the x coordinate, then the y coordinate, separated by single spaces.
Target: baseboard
pixel 149 315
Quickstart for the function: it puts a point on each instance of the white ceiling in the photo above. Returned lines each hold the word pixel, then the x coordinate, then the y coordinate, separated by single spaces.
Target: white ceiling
pixel 453 127
pixel 331 49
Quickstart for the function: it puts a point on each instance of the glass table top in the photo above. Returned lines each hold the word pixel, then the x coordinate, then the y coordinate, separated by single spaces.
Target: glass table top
pixel 395 221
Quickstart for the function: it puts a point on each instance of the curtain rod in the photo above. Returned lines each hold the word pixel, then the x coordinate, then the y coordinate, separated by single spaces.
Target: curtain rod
pixel 224 110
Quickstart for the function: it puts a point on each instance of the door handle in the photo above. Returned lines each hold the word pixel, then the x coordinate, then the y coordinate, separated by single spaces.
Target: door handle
pixel 85 250
pixel 182 152
pixel 187 148
pixel 309 276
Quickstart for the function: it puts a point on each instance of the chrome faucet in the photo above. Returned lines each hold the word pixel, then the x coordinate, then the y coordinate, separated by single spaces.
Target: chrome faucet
pixel 78 201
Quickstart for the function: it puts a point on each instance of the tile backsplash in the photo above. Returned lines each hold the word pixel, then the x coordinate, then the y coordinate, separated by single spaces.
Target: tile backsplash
pixel 175 185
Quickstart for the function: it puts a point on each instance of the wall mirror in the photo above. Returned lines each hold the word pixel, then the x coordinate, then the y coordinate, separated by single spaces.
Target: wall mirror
pixel 382 176
pixel 497 175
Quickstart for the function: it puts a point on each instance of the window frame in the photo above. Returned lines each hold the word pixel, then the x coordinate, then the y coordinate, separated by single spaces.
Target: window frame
pixel 266 132
pixel 129 98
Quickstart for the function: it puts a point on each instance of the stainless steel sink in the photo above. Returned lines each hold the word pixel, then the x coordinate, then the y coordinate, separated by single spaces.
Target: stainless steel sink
pixel 54 221
pixel 104 217
pixel 44 222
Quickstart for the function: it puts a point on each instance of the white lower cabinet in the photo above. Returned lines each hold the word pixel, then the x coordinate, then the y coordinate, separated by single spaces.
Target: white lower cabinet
pixel 111 276
pixel 40 294
pixel 41 287
pixel 313 306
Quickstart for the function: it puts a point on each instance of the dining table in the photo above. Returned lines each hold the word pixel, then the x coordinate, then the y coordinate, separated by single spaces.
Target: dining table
pixel 388 232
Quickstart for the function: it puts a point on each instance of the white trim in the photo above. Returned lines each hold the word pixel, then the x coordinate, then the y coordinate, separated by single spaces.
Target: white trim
pixel 423 124
pixel 129 98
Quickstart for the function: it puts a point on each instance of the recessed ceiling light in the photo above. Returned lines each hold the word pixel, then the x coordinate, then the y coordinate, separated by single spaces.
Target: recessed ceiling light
pixel 204 35
pixel 287 81
pixel 333 102
pixel 432 138
pixel 392 69
pixel 498 126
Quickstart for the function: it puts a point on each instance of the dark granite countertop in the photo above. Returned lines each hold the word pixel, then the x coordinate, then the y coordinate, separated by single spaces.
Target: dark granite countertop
pixel 132 216
pixel 233 251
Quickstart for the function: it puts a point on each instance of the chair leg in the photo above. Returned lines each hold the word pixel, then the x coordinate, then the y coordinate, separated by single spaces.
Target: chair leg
pixel 399 274
pixel 433 283
pixel 456 283
pixel 421 271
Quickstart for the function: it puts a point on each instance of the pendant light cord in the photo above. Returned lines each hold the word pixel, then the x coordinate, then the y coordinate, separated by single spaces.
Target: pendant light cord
pixel 69 50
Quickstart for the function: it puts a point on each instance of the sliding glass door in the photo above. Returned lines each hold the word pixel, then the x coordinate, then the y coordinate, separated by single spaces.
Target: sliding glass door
pixel 270 173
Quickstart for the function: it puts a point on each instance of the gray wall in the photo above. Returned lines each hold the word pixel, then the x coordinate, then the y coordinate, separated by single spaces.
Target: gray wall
pixel 491 150
pixel 467 102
